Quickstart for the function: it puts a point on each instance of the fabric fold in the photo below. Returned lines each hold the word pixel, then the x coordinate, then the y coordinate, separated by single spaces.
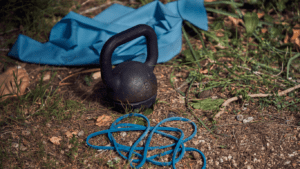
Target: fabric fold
pixel 77 40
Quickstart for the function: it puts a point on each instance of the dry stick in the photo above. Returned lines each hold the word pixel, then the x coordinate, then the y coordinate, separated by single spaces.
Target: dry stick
pixel 101 6
pixel 227 102
pixel 86 71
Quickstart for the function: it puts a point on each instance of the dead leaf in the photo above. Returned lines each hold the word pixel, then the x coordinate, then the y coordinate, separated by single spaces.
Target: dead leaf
pixel 260 15
pixel 103 120
pixel 264 30
pixel 297 42
pixel 204 71
pixel 8 85
pixel 296 33
pixel 235 21
pixel 286 38
pixel 55 140
pixel 70 135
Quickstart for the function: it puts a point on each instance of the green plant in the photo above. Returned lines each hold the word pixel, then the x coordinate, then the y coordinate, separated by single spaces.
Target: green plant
pixel 73 152
pixel 88 79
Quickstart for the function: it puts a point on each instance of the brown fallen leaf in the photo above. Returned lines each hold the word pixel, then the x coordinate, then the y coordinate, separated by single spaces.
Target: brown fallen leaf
pixel 8 83
pixel 70 135
pixel 235 21
pixel 296 32
pixel 264 30
pixel 260 15
pixel 286 38
pixel 297 42
pixel 55 140
pixel 103 120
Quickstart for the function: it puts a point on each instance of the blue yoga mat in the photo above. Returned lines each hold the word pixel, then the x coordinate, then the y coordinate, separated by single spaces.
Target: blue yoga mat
pixel 77 40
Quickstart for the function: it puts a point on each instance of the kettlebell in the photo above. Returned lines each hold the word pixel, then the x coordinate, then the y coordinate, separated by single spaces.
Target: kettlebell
pixel 131 83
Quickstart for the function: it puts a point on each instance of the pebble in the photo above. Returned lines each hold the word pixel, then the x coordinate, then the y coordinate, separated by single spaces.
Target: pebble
pixel 247 120
pixel 217 131
pixel 204 94
pixel 239 117
pixel 96 75
pixel 46 76
pixel 23 148
pixel 48 125
pixel 117 159
pixel 172 114
pixel 287 163
pixel 25 132
pixel 15 145
pixel 81 133
pixel 123 134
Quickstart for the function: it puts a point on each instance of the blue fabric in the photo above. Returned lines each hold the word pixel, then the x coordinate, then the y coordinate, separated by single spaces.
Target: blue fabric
pixel 77 40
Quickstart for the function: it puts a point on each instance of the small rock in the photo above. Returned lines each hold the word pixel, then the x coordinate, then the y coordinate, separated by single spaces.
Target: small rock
pixel 244 108
pixel 217 163
pixel 229 157
pixel 196 155
pixel 234 163
pixel 46 76
pixel 172 114
pixel 48 125
pixel 117 159
pixel 15 145
pixel 217 131
pixel 25 132
pixel 249 167
pixel 96 75
pixel 22 147
pixel 255 160
pixel 247 120
pixel 214 97
pixel 204 94
pixel 239 117
pixel 123 134
pixel 141 143
pixel 287 163
pixel 221 160
pixel 81 133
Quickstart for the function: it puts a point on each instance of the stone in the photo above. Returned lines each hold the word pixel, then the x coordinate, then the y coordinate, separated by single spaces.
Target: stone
pixel 247 120
pixel 81 133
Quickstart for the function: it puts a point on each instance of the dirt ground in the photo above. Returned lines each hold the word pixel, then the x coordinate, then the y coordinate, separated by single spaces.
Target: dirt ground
pixel 271 140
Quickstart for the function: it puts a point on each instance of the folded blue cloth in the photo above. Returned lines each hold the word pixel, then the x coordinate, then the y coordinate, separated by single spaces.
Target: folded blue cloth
pixel 77 40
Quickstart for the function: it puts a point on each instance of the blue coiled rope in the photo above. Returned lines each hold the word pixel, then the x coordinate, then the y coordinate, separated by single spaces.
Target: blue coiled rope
pixel 179 146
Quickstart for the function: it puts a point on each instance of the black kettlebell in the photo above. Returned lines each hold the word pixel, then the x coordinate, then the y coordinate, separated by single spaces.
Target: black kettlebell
pixel 130 83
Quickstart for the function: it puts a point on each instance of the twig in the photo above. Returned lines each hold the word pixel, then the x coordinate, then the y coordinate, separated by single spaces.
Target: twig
pixel 87 1
pixel 190 110
pixel 86 71
pixel 227 102
pixel 101 6
pixel 8 31
pixel 4 49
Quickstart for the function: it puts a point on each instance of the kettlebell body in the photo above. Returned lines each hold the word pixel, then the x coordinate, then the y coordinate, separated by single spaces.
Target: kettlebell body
pixel 130 83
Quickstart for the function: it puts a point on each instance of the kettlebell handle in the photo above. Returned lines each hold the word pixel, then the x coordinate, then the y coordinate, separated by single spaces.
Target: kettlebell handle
pixel 112 43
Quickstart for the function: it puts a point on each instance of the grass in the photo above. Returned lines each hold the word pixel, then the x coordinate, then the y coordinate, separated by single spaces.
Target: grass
pixel 249 51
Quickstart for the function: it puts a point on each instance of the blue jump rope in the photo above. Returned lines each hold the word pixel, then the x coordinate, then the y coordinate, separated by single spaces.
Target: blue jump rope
pixel 179 146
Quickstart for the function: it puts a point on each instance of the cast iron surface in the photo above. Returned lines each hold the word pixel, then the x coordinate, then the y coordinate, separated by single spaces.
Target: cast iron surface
pixel 131 81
